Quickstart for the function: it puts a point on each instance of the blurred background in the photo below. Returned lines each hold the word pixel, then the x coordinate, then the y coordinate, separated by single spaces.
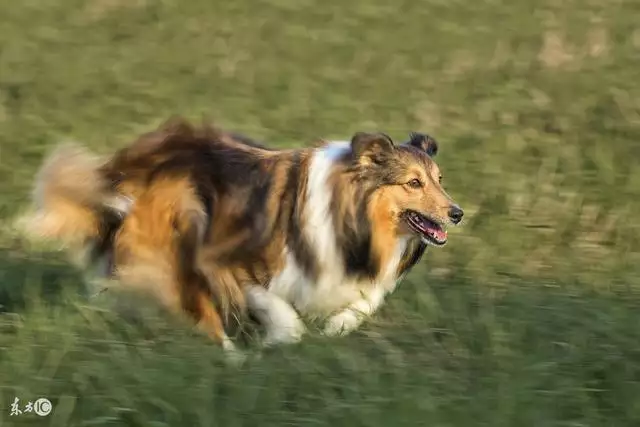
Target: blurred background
pixel 528 317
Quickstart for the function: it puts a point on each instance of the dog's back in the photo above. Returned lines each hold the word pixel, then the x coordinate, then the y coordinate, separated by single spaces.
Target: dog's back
pixel 148 209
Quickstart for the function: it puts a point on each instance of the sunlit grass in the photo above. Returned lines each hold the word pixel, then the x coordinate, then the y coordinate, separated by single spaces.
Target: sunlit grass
pixel 529 316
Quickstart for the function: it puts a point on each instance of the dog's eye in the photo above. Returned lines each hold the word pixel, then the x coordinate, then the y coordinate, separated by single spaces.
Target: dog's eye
pixel 415 183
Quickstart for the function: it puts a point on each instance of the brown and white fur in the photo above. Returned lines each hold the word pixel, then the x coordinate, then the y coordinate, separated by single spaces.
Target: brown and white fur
pixel 217 226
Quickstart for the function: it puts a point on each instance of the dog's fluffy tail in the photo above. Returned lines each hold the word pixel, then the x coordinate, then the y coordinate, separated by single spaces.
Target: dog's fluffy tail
pixel 72 200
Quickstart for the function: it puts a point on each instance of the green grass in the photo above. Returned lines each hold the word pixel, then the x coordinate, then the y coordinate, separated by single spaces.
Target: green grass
pixel 528 317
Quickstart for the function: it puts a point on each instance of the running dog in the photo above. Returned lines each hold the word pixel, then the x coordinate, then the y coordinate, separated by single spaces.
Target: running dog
pixel 217 226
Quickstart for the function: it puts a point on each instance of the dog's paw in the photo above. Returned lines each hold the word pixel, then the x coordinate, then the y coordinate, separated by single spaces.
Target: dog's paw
pixel 232 355
pixel 285 335
pixel 342 323
pixel 235 358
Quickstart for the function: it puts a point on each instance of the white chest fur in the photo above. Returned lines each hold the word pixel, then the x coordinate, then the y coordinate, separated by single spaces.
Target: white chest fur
pixel 333 290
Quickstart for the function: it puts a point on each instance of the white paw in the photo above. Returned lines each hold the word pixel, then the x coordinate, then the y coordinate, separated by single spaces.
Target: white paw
pixel 232 355
pixel 235 358
pixel 285 334
pixel 342 323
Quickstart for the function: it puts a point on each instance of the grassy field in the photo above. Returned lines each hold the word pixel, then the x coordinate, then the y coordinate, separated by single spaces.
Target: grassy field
pixel 530 316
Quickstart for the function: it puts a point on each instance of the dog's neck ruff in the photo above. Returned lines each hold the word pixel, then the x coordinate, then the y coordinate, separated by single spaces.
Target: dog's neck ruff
pixel 332 286
pixel 319 228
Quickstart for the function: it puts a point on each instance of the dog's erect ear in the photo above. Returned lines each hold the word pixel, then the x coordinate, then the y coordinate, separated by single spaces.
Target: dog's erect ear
pixel 370 148
pixel 423 142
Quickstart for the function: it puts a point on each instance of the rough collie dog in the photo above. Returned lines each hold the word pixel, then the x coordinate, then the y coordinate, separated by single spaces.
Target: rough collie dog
pixel 217 226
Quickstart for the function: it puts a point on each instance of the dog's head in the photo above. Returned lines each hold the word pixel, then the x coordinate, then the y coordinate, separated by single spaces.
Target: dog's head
pixel 406 185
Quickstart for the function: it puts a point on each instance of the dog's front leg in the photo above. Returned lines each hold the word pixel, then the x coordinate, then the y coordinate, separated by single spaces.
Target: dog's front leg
pixel 280 319
pixel 350 319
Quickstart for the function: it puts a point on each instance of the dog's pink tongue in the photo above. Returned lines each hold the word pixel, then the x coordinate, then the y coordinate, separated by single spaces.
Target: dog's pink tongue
pixel 438 233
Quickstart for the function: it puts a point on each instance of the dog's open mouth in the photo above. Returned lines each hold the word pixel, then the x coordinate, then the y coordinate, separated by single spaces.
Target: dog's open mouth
pixel 428 229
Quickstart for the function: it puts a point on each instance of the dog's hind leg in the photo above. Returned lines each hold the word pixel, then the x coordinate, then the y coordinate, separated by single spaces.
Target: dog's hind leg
pixel 197 296
pixel 157 251
pixel 204 312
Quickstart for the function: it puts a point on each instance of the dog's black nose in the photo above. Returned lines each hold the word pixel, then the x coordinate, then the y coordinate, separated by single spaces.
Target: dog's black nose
pixel 456 214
